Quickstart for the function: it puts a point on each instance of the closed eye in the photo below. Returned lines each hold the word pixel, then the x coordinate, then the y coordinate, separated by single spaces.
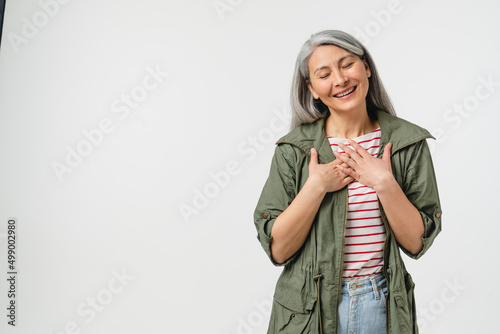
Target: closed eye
pixel 348 65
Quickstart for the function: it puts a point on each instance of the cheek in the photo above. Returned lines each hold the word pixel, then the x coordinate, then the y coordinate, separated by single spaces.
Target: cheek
pixel 323 89
pixel 363 78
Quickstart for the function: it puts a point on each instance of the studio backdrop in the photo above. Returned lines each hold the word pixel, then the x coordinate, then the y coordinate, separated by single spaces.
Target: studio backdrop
pixel 136 137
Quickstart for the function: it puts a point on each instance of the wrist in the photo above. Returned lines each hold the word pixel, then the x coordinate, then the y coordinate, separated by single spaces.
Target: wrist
pixel 315 185
pixel 386 184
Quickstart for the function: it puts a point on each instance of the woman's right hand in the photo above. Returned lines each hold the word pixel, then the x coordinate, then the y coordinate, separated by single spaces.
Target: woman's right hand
pixel 326 176
pixel 292 226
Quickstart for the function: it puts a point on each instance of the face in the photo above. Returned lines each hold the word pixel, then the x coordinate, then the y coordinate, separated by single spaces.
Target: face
pixel 339 78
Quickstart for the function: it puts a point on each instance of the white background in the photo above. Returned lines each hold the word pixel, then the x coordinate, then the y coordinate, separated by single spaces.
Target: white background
pixel 119 210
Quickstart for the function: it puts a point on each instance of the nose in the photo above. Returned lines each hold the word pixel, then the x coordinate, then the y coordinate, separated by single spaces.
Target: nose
pixel 340 79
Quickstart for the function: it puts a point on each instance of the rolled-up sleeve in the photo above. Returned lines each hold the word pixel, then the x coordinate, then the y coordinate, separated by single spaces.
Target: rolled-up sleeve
pixel 422 191
pixel 276 196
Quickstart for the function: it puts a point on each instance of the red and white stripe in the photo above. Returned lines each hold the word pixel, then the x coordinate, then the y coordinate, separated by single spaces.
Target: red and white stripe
pixel 365 231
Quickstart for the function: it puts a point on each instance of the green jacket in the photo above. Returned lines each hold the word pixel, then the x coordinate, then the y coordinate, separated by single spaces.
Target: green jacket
pixel 310 283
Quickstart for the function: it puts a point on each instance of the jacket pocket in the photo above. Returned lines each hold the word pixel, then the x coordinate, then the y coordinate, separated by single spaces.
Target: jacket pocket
pixel 405 306
pixel 292 311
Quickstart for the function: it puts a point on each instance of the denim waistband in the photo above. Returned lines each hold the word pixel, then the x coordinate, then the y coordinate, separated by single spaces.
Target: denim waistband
pixel 363 285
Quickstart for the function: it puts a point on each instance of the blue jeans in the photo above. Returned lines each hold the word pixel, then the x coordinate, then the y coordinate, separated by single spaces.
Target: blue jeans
pixel 362 306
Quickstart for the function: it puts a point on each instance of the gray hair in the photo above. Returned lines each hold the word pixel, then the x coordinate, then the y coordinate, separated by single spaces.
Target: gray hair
pixel 306 109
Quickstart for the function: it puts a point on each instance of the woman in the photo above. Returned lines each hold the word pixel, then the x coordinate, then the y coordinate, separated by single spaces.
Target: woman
pixel 349 186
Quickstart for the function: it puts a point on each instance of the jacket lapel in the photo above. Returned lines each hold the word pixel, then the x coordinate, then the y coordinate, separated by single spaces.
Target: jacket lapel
pixel 322 144
pixel 399 132
pixel 395 130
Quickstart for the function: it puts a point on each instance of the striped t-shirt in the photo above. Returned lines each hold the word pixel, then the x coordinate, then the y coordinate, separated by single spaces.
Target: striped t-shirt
pixel 365 231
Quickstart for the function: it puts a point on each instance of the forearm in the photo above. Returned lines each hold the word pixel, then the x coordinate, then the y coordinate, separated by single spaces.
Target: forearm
pixel 292 226
pixel 403 217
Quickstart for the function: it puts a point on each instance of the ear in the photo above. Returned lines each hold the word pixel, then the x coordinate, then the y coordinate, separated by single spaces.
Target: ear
pixel 368 71
pixel 311 89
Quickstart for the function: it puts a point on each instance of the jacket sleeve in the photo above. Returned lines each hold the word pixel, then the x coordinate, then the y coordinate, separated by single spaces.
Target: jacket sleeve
pixel 276 196
pixel 421 190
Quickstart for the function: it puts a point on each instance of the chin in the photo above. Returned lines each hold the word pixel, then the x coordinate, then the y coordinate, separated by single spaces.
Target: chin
pixel 348 108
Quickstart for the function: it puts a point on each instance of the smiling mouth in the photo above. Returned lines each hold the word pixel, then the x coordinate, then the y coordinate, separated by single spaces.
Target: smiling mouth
pixel 346 92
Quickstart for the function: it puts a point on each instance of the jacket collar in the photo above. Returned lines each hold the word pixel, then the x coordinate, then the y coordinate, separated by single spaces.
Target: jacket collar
pixel 395 130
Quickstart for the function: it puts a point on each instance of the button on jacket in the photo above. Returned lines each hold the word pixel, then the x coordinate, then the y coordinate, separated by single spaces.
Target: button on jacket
pixel 308 290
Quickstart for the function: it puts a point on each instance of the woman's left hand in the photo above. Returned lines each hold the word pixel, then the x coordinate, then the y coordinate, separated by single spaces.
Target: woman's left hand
pixel 365 168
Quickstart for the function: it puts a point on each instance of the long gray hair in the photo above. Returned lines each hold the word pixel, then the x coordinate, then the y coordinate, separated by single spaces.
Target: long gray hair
pixel 306 109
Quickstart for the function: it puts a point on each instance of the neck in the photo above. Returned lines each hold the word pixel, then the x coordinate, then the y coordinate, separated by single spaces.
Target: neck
pixel 349 124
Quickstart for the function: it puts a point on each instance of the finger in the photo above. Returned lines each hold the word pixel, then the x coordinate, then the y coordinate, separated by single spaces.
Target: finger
pixel 314 157
pixel 347 171
pixel 346 149
pixel 359 149
pixel 340 163
pixel 337 162
pixel 351 151
pixel 346 159
pixel 348 180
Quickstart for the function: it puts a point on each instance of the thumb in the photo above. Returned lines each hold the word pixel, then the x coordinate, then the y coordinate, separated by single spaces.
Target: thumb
pixel 314 157
pixel 387 152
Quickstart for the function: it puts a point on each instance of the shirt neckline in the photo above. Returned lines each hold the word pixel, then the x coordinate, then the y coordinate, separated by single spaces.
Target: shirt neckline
pixel 372 133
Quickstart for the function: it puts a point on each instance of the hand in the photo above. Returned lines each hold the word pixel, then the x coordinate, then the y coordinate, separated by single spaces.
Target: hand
pixel 327 176
pixel 365 168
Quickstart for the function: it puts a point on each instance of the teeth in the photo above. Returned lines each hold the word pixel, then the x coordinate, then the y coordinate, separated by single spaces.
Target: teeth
pixel 345 93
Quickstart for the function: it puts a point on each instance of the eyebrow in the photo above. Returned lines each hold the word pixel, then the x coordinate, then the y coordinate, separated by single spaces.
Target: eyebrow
pixel 338 61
